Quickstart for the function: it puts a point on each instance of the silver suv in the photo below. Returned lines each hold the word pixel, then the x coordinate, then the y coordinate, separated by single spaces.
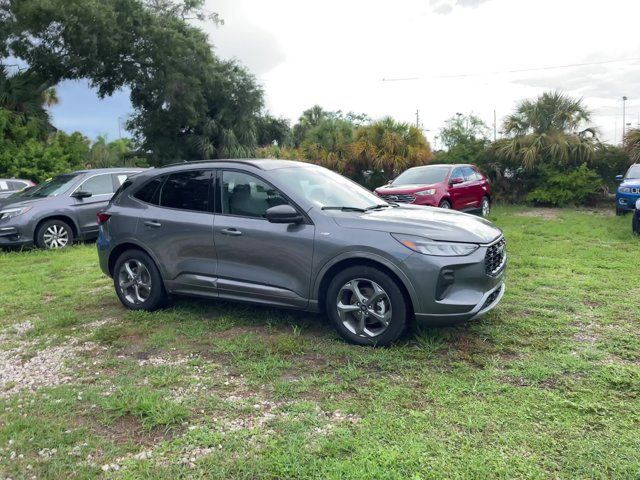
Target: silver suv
pixel 291 234
pixel 54 213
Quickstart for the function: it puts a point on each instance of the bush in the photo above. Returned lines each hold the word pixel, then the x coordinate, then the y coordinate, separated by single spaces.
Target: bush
pixel 559 188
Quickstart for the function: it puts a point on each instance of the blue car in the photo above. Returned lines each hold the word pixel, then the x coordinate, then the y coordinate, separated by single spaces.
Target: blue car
pixel 628 192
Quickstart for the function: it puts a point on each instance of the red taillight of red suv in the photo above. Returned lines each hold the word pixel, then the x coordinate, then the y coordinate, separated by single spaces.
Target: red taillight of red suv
pixel 103 217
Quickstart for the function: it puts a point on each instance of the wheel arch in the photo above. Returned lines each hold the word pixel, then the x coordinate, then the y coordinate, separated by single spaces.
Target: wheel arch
pixel 123 247
pixel 364 259
pixel 63 218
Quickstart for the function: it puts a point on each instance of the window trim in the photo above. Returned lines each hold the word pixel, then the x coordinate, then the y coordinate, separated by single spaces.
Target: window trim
pixel 219 202
pixel 166 175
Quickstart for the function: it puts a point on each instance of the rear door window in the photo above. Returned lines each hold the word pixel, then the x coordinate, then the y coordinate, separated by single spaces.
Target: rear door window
pixel 189 190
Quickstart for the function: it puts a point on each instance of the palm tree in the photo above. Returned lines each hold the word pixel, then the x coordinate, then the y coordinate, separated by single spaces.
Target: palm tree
pixel 390 147
pixel 632 144
pixel 26 97
pixel 550 129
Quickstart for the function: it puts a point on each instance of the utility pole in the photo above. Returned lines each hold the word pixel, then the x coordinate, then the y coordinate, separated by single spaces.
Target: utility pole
pixel 417 118
pixel 624 120
pixel 494 125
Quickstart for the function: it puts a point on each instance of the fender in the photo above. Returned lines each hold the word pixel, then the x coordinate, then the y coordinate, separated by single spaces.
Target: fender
pixel 358 254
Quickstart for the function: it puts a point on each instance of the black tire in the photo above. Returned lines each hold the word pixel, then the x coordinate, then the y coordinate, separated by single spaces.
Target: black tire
pixel 635 227
pixel 620 211
pixel 54 234
pixel 155 296
pixel 397 323
pixel 445 204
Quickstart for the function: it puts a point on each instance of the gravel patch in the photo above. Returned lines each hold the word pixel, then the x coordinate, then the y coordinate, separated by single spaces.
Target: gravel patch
pixel 47 368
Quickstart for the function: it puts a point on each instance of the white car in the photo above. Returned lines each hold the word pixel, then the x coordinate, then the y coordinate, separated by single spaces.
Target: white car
pixel 9 186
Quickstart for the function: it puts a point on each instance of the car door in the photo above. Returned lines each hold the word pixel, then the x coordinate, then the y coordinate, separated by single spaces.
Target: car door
pixel 474 187
pixel 257 260
pixel 176 223
pixel 458 192
pixel 101 188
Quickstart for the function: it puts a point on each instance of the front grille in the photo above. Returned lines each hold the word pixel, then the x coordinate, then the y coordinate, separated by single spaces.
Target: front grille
pixel 399 198
pixel 491 298
pixel 495 257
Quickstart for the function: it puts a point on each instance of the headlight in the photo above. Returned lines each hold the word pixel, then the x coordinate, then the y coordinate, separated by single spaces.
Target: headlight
pixel 624 190
pixel 13 212
pixel 429 191
pixel 431 247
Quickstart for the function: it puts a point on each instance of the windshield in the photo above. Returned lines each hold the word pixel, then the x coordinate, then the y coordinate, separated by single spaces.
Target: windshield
pixel 634 172
pixel 422 176
pixel 325 188
pixel 50 188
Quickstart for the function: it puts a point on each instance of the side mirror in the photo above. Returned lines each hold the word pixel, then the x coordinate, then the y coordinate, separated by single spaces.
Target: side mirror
pixel 619 177
pixel 80 194
pixel 283 214
pixel 456 180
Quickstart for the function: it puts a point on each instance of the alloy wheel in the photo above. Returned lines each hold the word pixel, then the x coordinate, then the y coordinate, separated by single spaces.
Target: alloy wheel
pixel 134 281
pixel 56 236
pixel 486 207
pixel 364 308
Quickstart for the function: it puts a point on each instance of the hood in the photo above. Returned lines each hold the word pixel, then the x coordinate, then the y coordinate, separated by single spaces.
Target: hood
pixel 19 201
pixel 630 182
pixel 404 189
pixel 430 222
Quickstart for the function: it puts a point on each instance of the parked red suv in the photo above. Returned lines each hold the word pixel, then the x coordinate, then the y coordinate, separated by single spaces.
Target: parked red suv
pixel 461 187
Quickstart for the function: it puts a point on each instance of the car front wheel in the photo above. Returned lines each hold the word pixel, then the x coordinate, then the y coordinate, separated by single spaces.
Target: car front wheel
pixel 138 282
pixel 54 234
pixel 445 204
pixel 366 306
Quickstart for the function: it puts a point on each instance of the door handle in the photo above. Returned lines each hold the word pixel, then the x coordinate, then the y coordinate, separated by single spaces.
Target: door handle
pixel 153 224
pixel 231 231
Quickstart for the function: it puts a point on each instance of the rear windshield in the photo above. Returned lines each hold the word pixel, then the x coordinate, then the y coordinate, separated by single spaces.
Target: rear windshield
pixel 422 176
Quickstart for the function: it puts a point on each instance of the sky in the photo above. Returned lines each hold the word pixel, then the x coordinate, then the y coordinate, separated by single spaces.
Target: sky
pixel 439 57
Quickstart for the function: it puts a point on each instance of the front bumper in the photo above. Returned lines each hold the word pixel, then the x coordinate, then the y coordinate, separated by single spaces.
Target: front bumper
pixel 454 289
pixel 12 237
pixel 626 201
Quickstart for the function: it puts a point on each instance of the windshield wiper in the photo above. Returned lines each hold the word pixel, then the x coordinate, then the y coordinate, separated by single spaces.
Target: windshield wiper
pixel 380 205
pixel 345 209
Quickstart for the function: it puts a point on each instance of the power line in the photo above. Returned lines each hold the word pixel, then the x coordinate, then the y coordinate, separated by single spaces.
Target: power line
pixel 520 70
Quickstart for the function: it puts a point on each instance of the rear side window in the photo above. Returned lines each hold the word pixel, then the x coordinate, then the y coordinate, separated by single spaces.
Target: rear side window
pixel 150 192
pixel 188 191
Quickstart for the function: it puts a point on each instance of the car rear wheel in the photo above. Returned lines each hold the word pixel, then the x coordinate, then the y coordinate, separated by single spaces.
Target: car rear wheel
pixel 54 234
pixel 138 282
pixel 445 204
pixel 485 207
pixel 366 306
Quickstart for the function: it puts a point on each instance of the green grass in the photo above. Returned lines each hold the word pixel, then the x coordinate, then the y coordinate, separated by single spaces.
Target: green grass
pixel 545 386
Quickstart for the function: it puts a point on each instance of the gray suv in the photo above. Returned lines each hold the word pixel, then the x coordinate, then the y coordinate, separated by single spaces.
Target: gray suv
pixel 291 234
pixel 54 213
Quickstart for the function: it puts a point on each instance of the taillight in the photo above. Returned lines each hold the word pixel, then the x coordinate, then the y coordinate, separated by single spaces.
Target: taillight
pixel 103 217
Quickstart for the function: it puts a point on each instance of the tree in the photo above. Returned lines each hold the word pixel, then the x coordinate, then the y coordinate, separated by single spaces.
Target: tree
pixel 328 144
pixel 272 129
pixel 465 139
pixel 188 104
pixel 548 129
pixel 309 119
pixel 389 147
pixel 632 144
